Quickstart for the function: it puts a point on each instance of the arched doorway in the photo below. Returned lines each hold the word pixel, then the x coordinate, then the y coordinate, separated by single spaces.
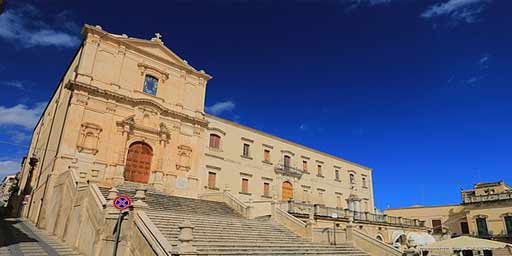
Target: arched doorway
pixel 287 190
pixel 138 162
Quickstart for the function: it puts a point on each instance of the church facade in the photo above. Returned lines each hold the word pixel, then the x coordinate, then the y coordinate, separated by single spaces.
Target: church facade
pixel 130 110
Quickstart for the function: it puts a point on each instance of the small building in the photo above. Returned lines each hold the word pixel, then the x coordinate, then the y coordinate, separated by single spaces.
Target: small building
pixel 5 188
pixel 485 212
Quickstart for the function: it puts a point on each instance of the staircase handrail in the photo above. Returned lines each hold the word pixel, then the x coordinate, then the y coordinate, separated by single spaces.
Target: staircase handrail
pixel 98 196
pixel 291 222
pixel 160 245
pixel 236 204
pixel 379 246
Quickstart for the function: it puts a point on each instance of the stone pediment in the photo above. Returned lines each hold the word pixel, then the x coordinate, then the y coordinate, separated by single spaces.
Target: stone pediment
pixel 154 47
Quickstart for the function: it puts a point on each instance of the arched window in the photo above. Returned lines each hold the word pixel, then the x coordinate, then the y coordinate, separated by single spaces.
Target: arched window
pixel 214 141
pixel 352 178
pixel 150 84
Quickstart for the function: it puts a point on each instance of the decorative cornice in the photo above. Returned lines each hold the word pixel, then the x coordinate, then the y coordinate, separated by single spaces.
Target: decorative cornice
pixel 215 129
pixel 136 102
pixel 288 152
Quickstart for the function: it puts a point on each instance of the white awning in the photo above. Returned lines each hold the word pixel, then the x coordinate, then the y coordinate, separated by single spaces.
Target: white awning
pixel 420 238
pixel 464 243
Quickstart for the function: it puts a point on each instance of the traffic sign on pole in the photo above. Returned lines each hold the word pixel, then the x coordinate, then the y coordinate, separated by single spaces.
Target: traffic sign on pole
pixel 122 202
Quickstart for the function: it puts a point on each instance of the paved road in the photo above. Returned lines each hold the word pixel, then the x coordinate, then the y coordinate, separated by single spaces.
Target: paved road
pixel 22 238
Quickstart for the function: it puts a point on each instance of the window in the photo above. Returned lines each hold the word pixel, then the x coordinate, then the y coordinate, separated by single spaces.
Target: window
pixel 266 155
pixel 305 166
pixel 320 196
pixel 464 228
pixel 211 180
pixel 287 161
pixel 437 226
pixel 150 85
pixel 245 185
pixel 337 174
pixel 481 225
pixel 214 141
pixel 266 189
pixel 352 178
pixel 246 150
pixel 338 202
pixel 508 225
pixel 319 170
pixel 364 182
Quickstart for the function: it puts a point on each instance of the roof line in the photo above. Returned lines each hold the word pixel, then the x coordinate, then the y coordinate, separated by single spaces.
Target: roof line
pixel 286 141
pixel 423 206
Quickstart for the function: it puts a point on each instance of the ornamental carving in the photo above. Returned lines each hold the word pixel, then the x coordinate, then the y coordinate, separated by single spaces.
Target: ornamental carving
pixel 89 138
pixel 184 155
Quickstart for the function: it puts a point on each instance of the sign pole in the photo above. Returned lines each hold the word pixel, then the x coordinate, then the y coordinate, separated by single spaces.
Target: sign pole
pixel 121 203
pixel 117 231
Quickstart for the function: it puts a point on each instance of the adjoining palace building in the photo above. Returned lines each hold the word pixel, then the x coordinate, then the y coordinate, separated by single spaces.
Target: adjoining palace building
pixel 130 111
pixel 485 212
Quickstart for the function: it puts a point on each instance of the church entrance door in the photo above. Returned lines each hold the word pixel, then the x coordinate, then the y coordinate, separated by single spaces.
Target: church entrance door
pixel 138 163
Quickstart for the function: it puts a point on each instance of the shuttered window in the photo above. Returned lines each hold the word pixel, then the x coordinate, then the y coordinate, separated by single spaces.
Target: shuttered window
pixel 214 141
pixel 211 179
pixel 437 226
pixel 245 185
pixel 266 155
pixel 266 189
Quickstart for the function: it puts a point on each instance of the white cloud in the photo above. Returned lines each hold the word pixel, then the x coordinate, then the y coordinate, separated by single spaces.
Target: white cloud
pixel 14 83
pixel 457 11
pixel 9 166
pixel 21 115
pixel 25 27
pixel 221 107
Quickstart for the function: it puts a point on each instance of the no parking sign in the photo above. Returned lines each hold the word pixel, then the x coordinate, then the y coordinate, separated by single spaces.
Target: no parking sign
pixel 122 202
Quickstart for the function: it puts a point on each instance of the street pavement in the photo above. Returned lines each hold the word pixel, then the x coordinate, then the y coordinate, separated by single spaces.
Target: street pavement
pixel 19 237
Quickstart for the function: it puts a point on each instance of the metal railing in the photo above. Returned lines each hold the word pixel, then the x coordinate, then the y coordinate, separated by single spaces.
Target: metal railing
pixel 288 170
pixel 345 214
pixel 467 198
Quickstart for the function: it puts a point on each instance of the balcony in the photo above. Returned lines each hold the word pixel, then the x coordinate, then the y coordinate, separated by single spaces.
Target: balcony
pixel 288 170
pixel 468 198
pixel 303 210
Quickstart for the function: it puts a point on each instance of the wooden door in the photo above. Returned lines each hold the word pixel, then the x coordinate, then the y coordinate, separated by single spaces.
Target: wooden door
pixel 138 162
pixel 287 191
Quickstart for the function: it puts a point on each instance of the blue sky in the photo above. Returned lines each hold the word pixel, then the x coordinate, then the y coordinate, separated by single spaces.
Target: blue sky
pixel 418 90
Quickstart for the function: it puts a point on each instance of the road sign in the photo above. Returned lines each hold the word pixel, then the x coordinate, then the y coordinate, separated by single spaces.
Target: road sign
pixel 122 202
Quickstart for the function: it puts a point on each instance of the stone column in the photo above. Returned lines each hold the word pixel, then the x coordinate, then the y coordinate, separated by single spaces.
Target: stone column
pixel 119 172
pixel 185 239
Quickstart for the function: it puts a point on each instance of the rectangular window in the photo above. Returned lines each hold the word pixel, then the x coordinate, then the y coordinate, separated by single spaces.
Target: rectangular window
pixel 246 150
pixel 320 197
pixel 319 170
pixel 266 189
pixel 464 228
pixel 508 224
pixel 305 166
pixel 481 225
pixel 338 202
pixel 266 155
pixel 364 182
pixel 245 185
pixel 437 226
pixel 211 179
pixel 287 162
pixel 337 174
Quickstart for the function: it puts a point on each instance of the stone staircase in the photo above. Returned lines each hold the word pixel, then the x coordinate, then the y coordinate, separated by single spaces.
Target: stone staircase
pixel 219 230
